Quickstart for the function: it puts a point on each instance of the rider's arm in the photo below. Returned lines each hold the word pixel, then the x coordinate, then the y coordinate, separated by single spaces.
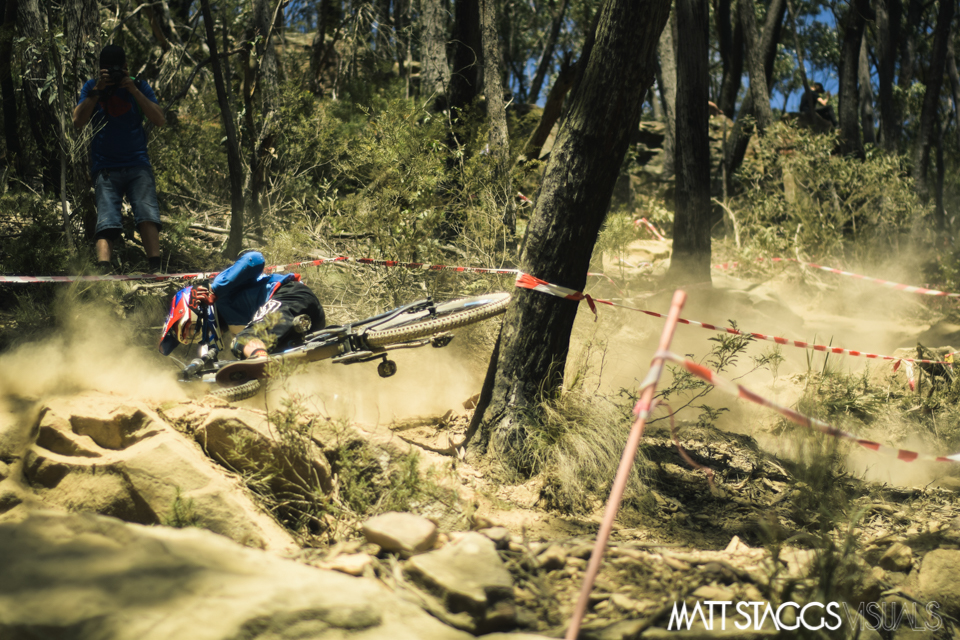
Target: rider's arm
pixel 242 272
pixel 89 95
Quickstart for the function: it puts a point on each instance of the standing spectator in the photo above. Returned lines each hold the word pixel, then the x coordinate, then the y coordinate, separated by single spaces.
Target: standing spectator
pixel 813 101
pixel 116 104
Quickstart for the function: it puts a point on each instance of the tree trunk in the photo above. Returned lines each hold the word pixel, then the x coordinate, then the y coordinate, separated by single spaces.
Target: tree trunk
pixel 908 44
pixel 931 96
pixel 234 162
pixel 731 56
pixel 740 136
pixel 939 212
pixel 44 121
pixel 498 140
pixel 849 96
pixel 866 94
pixel 759 94
pixel 668 93
pixel 546 57
pixel 888 35
pixel 690 261
pixel 954 86
pixel 434 71
pixel 11 133
pixel 575 194
pixel 260 81
pixel 467 55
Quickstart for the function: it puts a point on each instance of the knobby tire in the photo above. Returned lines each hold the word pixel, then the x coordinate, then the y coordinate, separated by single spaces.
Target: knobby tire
pixel 240 392
pixel 450 315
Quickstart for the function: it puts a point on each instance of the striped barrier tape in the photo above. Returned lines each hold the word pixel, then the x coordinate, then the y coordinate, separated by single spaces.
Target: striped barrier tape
pixel 649 225
pixel 740 391
pixel 906 288
pixel 526 281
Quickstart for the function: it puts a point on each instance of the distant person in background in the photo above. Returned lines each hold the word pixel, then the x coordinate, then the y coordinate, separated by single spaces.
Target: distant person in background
pixel 119 164
pixel 814 102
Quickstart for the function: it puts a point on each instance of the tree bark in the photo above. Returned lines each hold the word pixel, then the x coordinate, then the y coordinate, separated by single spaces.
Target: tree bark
pixel 44 121
pixel 434 71
pixel 498 139
pixel 573 202
pixel 467 58
pixel 740 136
pixel 931 96
pixel 731 57
pixel 849 96
pixel 546 57
pixel 889 14
pixel 668 93
pixel 759 93
pixel 954 86
pixel 11 133
pixel 866 94
pixel 690 260
pixel 234 161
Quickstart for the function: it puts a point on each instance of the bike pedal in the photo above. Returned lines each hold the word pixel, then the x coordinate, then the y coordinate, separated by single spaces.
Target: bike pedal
pixel 302 324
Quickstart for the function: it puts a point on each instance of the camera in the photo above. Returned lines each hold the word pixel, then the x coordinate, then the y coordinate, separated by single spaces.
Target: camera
pixel 116 74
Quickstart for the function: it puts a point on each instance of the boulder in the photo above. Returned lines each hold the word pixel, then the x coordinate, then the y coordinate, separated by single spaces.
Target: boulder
pixel 95 453
pixel 246 442
pixel 899 557
pixel 405 533
pixel 469 577
pixel 84 577
pixel 938 579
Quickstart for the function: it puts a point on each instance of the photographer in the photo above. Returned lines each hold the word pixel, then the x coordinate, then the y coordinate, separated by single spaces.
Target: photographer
pixel 116 104
pixel 813 101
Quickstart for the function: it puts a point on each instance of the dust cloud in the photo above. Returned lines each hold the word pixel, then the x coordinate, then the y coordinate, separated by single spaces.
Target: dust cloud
pixel 428 382
pixel 89 349
pixel 613 353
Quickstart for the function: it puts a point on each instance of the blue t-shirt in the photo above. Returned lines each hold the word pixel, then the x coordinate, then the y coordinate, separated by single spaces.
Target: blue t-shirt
pixel 243 288
pixel 119 138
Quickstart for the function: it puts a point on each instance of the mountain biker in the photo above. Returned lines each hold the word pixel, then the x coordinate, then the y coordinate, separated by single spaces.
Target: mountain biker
pixel 119 164
pixel 268 313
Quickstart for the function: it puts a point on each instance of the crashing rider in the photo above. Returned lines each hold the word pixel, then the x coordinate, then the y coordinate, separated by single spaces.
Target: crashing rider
pixel 267 313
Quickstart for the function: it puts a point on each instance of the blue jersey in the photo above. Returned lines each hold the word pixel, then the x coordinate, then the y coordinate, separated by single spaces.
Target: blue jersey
pixel 119 139
pixel 243 288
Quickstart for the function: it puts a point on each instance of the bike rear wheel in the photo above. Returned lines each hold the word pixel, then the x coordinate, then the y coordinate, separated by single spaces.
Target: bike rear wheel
pixel 240 392
pixel 449 315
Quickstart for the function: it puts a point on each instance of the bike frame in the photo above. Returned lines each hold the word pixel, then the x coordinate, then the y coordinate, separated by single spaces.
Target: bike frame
pixel 344 344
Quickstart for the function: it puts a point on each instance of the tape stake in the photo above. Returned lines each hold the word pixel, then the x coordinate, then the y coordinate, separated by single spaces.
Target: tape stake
pixel 626 464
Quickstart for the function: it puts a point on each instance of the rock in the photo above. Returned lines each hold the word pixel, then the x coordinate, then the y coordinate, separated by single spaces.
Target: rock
pixel 246 442
pixel 938 579
pixel 467 576
pixel 899 557
pixel 499 535
pixel 353 564
pixel 92 454
pixel 85 576
pixel 552 558
pixel 405 533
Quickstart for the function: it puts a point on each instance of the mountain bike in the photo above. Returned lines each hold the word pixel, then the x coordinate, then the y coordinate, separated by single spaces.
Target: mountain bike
pixel 413 325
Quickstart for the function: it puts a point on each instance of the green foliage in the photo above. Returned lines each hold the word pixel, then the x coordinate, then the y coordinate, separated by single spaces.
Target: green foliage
pixel 797 194
pixel 183 512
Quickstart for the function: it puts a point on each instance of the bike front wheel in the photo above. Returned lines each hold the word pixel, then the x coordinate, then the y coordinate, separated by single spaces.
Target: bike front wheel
pixel 447 316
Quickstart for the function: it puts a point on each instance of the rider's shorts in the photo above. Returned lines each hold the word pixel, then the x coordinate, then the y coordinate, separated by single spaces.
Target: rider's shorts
pixel 273 322
pixel 138 184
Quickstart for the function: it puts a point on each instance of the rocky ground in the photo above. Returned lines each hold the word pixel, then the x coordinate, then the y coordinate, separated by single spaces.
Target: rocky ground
pixel 125 520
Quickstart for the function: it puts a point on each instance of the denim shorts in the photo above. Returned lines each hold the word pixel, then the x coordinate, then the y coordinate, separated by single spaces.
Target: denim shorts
pixel 138 184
